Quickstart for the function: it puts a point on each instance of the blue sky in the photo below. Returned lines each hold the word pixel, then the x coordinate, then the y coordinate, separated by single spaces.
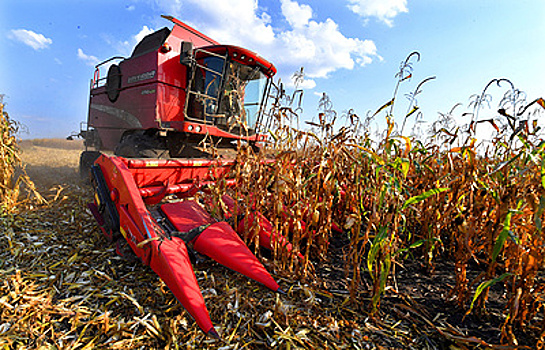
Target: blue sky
pixel 351 49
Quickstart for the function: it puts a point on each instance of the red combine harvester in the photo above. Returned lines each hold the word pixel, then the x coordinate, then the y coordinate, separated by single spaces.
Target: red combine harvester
pixel 157 111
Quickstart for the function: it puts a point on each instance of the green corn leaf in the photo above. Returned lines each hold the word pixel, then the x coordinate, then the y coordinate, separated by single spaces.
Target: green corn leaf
pixel 419 148
pixel 543 171
pixel 459 205
pixel 416 244
pixel 486 285
pixel 423 196
pixel 505 232
pixel 385 271
pixel 273 135
pixel 375 156
pixel 539 212
pixel 378 241
pixel 524 141
pixel 402 165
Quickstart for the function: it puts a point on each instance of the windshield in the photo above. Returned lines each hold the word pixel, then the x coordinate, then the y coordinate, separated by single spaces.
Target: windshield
pixel 231 101
pixel 241 100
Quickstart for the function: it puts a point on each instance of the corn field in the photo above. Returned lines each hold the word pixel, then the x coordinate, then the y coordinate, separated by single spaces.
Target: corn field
pixel 398 199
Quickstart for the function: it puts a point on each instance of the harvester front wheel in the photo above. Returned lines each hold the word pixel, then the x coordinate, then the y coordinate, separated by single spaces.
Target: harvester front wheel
pixel 86 160
pixel 142 145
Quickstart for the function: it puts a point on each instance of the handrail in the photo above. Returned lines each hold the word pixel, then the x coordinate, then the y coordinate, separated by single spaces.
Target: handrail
pixel 96 76
pixel 110 59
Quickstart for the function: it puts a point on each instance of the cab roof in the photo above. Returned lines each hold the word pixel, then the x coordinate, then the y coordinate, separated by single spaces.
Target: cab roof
pixel 241 55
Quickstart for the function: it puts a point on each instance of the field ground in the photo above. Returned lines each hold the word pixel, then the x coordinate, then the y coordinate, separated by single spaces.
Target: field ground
pixel 51 162
pixel 64 287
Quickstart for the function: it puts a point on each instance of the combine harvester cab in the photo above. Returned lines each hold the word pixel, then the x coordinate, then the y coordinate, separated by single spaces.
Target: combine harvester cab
pixel 178 88
pixel 155 110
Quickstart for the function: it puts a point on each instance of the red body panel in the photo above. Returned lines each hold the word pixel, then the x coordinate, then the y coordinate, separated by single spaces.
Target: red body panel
pixel 153 172
pixel 172 264
pixel 186 215
pixel 220 242
pixel 112 119
pixel 135 219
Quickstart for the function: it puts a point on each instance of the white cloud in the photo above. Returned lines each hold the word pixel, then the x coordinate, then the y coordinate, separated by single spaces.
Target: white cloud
pixel 30 38
pixel 384 10
pixel 318 46
pixel 88 59
pixel 297 15
pixel 307 84
pixel 322 49
pixel 237 22
pixel 145 31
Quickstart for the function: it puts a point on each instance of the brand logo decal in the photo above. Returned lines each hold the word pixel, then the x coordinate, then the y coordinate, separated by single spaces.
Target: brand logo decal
pixel 140 77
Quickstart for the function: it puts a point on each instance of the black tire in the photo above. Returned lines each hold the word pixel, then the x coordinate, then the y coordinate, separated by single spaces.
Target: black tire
pixel 86 160
pixel 106 207
pixel 154 153
pixel 139 145
pixel 128 146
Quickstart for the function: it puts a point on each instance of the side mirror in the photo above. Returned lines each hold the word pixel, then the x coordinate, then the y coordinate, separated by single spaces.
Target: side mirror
pixel 186 53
